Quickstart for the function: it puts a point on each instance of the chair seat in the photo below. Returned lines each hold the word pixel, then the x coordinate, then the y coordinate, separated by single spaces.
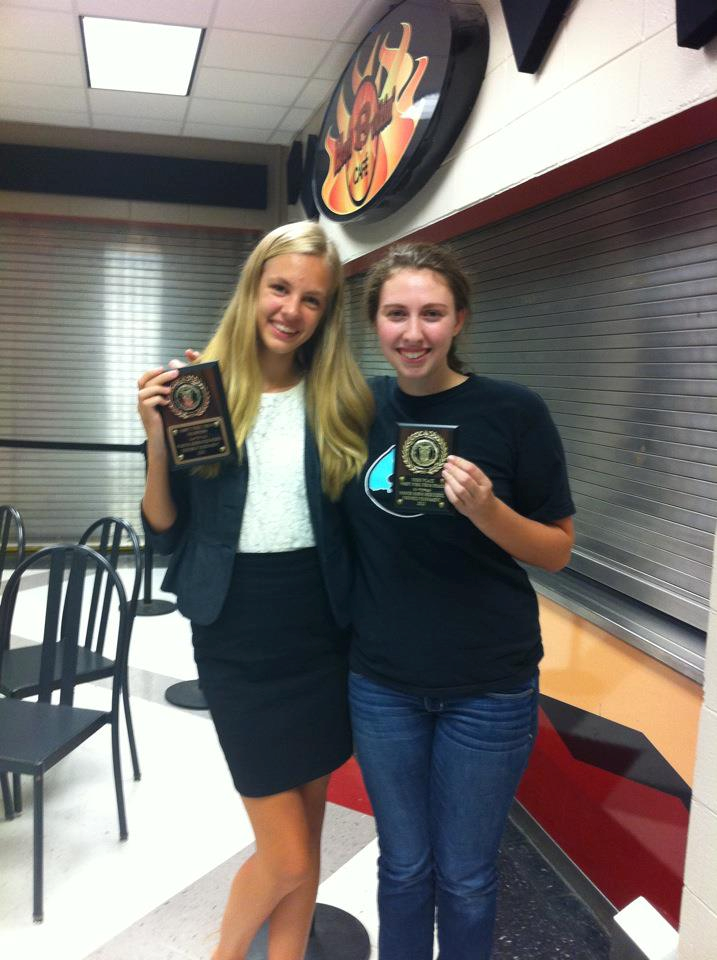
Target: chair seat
pixel 34 736
pixel 21 668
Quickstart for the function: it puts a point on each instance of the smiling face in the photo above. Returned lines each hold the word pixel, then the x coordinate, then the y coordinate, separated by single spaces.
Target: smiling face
pixel 293 294
pixel 416 322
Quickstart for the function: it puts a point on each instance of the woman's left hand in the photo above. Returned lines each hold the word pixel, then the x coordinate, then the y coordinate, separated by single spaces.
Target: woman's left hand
pixel 468 489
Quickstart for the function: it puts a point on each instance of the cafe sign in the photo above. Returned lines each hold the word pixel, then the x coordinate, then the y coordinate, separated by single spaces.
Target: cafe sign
pixel 398 107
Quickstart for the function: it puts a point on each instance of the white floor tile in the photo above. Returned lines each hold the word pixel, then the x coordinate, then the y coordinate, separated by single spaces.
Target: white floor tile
pixel 163 645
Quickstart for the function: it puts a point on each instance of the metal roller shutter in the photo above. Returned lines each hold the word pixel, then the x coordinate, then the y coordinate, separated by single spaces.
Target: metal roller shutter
pixel 84 308
pixel 605 303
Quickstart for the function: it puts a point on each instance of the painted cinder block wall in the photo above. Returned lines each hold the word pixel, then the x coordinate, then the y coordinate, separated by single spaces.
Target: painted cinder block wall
pixel 698 927
pixel 613 68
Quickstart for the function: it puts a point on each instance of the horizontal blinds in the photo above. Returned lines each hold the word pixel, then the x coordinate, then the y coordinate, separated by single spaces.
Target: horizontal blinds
pixel 84 308
pixel 362 336
pixel 605 303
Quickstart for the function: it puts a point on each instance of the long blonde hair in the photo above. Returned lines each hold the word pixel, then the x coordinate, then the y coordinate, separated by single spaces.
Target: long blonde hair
pixel 338 401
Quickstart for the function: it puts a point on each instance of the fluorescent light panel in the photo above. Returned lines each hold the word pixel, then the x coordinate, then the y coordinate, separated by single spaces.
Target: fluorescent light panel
pixel 140 57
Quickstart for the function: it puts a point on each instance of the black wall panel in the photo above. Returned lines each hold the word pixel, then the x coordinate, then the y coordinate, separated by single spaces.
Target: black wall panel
pixel 131 176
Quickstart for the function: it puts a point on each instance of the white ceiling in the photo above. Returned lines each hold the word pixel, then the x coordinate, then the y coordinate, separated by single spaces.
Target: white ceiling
pixel 264 68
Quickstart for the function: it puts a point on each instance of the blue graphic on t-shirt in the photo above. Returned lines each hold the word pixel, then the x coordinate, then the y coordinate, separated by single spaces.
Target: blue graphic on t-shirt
pixel 380 474
pixel 379 483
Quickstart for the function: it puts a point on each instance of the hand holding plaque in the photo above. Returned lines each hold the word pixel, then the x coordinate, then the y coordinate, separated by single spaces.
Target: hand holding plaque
pixel 197 423
pixel 421 453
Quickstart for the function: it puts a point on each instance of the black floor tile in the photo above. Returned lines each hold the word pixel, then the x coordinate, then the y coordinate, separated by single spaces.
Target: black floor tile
pixel 539 918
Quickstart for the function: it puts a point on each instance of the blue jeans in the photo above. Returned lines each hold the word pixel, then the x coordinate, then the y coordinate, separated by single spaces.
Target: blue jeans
pixel 441 776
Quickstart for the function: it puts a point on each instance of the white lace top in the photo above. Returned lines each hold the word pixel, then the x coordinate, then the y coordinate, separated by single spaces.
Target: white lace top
pixel 276 514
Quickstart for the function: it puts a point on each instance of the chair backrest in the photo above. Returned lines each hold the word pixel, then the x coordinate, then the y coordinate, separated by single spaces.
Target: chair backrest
pixel 108 536
pixel 71 568
pixel 12 533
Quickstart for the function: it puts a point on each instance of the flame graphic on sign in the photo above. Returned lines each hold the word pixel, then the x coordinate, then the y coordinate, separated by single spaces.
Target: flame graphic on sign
pixel 374 135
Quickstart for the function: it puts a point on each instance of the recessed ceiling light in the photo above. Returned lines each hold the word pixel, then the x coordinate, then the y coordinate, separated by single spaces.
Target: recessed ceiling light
pixel 140 57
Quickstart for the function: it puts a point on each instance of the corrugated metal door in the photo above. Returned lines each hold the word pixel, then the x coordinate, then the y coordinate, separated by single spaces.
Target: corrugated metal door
pixel 605 303
pixel 84 308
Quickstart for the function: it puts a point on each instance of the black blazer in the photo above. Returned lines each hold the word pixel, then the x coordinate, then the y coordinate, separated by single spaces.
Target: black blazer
pixel 203 539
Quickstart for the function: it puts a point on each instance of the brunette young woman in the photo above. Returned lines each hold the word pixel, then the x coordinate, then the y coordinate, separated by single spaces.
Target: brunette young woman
pixel 259 565
pixel 446 641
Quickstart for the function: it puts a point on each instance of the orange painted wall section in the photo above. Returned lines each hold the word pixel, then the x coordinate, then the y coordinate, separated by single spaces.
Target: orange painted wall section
pixel 588 668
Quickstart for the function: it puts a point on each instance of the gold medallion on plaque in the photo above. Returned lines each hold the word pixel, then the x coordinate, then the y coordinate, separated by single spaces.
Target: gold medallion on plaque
pixel 424 451
pixel 189 397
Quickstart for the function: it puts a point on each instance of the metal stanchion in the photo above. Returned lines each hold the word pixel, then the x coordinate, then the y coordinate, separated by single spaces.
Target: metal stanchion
pixel 147 607
pixel 187 694
pixel 335 935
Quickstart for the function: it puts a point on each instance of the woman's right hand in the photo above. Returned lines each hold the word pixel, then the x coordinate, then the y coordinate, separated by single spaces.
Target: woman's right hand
pixel 153 388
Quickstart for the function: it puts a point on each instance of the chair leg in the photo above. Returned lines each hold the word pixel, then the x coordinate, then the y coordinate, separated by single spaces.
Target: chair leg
pixel 7 797
pixel 17 792
pixel 118 779
pixel 130 730
pixel 37 868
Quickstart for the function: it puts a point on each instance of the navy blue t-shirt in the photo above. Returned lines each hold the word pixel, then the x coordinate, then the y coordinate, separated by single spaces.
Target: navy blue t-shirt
pixel 439 609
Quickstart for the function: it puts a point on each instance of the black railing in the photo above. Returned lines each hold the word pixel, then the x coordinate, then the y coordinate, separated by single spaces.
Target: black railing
pixel 147 606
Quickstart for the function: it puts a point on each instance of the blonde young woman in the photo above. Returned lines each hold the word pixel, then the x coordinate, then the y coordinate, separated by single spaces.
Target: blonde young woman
pixel 259 565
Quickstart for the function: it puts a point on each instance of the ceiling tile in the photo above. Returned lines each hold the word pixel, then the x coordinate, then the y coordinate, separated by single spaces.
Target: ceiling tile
pixel 334 63
pixel 151 105
pixel 293 18
pixel 263 54
pixel 284 137
pixel 248 87
pixel 296 118
pixel 43 96
pixel 38 30
pixel 66 6
pixel 265 64
pixel 314 93
pixel 28 66
pixel 367 14
pixel 215 131
pixel 224 112
pixel 111 121
pixel 195 13
pixel 54 118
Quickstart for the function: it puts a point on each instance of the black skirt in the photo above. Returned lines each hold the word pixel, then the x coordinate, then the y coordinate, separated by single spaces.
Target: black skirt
pixel 273 669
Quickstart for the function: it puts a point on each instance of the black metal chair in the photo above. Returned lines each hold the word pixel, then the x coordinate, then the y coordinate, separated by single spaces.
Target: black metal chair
pixel 12 535
pixel 108 536
pixel 34 736
pixel 20 672
pixel 10 519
